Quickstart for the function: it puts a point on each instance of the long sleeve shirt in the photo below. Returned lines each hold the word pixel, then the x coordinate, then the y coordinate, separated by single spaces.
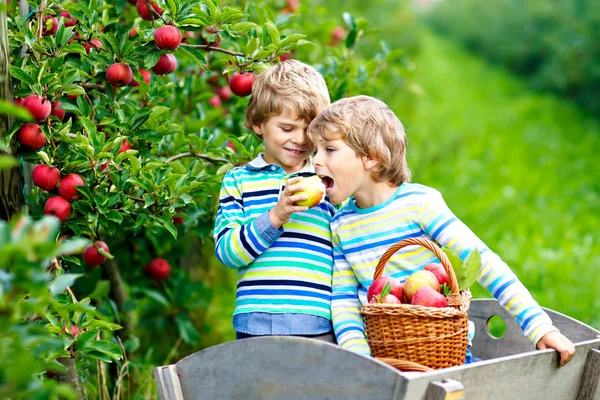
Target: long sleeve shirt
pixel 283 272
pixel 361 236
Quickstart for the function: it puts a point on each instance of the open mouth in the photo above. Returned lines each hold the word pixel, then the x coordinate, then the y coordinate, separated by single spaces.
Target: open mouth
pixel 328 182
pixel 295 152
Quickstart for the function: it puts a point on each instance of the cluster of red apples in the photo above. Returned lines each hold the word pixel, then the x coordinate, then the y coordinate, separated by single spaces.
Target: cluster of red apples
pixel 422 288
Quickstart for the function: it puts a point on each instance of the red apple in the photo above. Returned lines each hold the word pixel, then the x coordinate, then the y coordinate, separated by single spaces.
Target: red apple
pixel 166 64
pixel 125 145
pixel 39 107
pixel 417 280
pixel 68 20
pixel 378 284
pixel 19 101
pixel 215 101
pixel 158 269
pixel 57 111
pixel 224 93
pixel 337 35
pixel 93 44
pixel 45 177
pixel 92 256
pixel 178 220
pixel 429 297
pixel 144 11
pixel 241 84
pixel 387 299
pixel 59 207
pixel 285 56
pixel 145 75
pixel 167 37
pixel 31 136
pixel 132 32
pixel 50 28
pixel 68 186
pixel 439 271
pixel 293 5
pixel 119 74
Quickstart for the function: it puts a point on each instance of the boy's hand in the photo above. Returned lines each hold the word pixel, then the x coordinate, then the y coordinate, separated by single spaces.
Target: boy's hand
pixel 556 340
pixel 280 214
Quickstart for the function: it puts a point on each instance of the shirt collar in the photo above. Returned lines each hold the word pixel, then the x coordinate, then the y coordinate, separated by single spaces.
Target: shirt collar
pixel 259 164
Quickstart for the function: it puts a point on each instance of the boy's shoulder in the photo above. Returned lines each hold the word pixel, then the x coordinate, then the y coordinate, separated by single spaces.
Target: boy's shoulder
pixel 412 191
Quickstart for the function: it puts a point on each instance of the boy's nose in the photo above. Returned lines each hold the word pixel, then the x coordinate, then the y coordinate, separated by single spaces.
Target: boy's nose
pixel 316 161
pixel 300 137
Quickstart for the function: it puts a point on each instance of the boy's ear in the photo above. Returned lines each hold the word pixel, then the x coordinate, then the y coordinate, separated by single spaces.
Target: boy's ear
pixel 369 163
pixel 257 129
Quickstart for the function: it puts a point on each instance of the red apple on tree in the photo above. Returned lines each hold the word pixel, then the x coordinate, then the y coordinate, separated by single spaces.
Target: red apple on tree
pixel 93 44
pixel 215 101
pixel 57 111
pixel 119 74
pixel 241 84
pixel 429 297
pixel 68 186
pixel 124 146
pixel 59 207
pixel 144 11
pixel 439 271
pixel 167 37
pixel 337 35
pixel 45 177
pixel 38 106
pixel 396 287
pixel 31 136
pixel 67 17
pixel 417 280
pixel 92 256
pixel 166 64
pixel 158 269
pixel 224 93
pixel 50 28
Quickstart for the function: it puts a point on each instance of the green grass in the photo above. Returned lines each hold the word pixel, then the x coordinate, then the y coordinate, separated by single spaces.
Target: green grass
pixel 518 167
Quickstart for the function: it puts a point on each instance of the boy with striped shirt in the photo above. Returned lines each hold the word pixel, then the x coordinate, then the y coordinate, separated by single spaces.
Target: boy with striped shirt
pixel 282 251
pixel 361 154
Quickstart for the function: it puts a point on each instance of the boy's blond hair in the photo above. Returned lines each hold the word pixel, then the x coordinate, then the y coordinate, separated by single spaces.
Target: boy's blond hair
pixel 371 129
pixel 290 84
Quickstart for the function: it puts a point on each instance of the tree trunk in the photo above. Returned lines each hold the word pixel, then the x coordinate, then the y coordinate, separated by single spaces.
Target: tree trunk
pixel 11 181
pixel 119 295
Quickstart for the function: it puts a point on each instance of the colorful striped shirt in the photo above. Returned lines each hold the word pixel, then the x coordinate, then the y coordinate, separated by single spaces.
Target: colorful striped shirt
pixel 361 236
pixel 280 271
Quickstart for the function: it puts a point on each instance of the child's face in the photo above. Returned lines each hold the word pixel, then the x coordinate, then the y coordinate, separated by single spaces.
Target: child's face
pixel 285 140
pixel 340 168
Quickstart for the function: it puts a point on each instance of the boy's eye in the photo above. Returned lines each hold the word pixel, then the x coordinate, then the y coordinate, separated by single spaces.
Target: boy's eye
pixel 287 129
pixel 330 149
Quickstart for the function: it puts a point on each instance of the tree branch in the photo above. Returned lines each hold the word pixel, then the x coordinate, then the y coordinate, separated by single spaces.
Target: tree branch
pixel 202 156
pixel 208 47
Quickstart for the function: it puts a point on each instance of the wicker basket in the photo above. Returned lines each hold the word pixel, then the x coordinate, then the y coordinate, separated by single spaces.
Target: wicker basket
pixel 431 336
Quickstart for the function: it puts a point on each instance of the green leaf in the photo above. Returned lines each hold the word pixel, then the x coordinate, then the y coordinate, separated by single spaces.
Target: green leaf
pixel 101 290
pixel 195 54
pixel 186 329
pixel 158 297
pixel 73 246
pixel 8 108
pixel 472 266
pixel 8 162
pixel 61 283
pixel 457 264
pixel 273 32
pixel 352 33
pixel 21 75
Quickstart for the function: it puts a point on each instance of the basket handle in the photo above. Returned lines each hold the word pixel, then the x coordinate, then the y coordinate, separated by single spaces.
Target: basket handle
pixel 454 299
pixel 404 365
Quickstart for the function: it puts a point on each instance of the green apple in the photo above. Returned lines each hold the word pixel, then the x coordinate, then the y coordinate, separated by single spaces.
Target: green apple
pixel 313 188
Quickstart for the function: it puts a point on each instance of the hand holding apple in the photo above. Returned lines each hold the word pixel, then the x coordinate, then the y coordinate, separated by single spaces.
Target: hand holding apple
pixel 314 190
pixel 287 204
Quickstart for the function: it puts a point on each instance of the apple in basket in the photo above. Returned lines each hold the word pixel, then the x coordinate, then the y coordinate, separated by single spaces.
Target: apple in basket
pixel 396 288
pixel 439 271
pixel 417 280
pixel 385 297
pixel 429 297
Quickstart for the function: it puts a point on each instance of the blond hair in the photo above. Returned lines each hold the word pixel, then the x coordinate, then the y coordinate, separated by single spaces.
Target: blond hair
pixel 289 84
pixel 371 129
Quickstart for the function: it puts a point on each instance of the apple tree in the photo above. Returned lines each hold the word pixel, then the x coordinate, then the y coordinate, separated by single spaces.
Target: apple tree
pixel 134 112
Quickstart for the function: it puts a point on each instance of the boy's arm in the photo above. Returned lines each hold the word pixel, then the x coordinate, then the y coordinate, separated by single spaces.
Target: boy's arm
pixel 238 243
pixel 444 227
pixel 348 324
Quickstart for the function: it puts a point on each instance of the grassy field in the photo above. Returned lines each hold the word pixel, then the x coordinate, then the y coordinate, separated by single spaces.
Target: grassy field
pixel 518 167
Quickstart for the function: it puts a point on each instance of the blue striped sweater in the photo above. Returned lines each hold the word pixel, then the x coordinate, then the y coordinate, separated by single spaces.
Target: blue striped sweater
pixel 280 271
pixel 361 236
